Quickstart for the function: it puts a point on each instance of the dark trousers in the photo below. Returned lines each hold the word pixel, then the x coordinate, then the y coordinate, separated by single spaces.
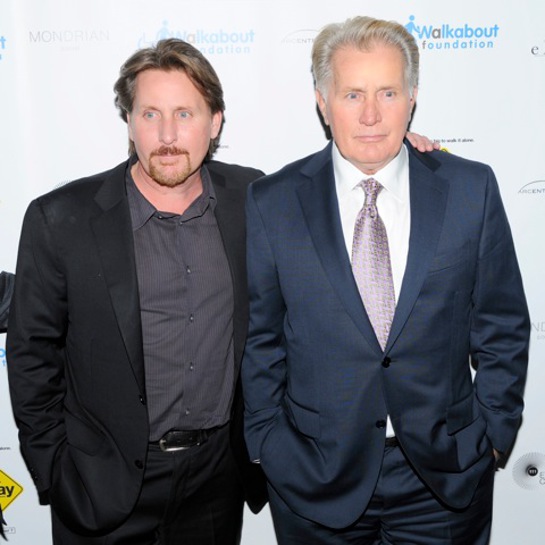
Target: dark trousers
pixel 402 511
pixel 189 497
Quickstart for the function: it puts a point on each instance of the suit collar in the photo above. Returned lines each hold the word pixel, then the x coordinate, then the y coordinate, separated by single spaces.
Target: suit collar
pixel 230 217
pixel 112 190
pixel 113 234
pixel 428 198
pixel 318 199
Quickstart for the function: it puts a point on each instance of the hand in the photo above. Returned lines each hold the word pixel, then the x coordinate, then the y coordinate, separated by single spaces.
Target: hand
pixel 422 143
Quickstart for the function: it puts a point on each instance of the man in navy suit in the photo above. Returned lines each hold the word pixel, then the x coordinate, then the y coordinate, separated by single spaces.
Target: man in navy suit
pixel 376 275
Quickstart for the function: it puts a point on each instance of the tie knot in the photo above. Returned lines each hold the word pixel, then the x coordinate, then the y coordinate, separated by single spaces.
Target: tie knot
pixel 372 189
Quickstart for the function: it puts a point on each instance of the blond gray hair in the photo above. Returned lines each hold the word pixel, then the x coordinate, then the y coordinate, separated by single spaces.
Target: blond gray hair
pixel 363 33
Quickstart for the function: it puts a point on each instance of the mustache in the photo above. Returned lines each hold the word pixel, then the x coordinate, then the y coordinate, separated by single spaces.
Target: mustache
pixel 165 151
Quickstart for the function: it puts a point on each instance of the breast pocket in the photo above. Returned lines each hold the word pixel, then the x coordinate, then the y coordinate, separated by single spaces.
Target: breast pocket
pixel 448 259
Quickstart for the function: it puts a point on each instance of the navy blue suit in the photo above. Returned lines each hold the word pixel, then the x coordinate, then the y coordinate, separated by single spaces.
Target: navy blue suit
pixel 317 386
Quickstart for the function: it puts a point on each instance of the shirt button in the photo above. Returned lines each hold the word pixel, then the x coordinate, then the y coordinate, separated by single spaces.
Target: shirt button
pixel 380 424
pixel 191 318
pixel 191 367
pixel 188 270
pixel 187 411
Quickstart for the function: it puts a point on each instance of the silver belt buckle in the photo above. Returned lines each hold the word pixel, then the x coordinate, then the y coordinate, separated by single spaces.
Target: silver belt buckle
pixel 163 446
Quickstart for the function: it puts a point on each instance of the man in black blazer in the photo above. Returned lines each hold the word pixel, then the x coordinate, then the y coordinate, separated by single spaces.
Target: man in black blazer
pixel 128 325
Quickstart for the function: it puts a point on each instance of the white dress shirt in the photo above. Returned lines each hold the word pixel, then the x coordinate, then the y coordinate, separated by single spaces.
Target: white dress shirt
pixel 393 207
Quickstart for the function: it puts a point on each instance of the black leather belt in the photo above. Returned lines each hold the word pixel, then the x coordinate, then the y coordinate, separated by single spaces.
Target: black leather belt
pixel 391 442
pixel 183 439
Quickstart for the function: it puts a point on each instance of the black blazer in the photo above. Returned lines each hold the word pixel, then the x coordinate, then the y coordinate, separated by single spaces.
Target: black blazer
pixel 74 346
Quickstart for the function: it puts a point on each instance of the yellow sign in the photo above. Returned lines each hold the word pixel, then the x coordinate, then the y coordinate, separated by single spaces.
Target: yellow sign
pixel 9 490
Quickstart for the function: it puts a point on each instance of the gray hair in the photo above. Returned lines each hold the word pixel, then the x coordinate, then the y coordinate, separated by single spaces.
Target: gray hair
pixel 362 33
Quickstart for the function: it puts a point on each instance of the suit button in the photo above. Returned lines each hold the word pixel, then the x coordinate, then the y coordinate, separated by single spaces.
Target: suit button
pixel 380 423
pixel 386 362
pixel 142 400
pixel 139 464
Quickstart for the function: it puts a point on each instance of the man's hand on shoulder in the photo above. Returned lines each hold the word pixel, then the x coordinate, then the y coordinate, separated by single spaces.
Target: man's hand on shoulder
pixel 422 143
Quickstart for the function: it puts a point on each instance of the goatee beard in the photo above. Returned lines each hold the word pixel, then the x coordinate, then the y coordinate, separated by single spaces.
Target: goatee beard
pixel 176 178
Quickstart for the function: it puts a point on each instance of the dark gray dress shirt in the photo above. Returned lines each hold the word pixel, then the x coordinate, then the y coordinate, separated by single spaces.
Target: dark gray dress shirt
pixel 186 305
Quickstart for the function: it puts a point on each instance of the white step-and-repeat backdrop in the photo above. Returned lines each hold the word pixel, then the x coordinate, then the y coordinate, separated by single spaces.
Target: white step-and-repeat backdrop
pixel 482 95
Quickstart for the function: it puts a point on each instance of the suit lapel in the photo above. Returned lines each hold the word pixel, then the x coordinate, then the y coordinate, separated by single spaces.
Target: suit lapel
pixel 230 217
pixel 113 235
pixel 428 199
pixel 318 199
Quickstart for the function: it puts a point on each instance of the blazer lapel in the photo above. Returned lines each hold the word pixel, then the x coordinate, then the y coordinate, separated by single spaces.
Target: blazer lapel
pixel 318 199
pixel 230 217
pixel 113 234
pixel 428 199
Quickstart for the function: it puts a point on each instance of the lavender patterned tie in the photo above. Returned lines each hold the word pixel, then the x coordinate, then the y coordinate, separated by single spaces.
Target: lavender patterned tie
pixel 371 263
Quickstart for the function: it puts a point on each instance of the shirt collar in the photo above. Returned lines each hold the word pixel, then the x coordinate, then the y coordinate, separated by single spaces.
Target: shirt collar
pixel 392 177
pixel 142 210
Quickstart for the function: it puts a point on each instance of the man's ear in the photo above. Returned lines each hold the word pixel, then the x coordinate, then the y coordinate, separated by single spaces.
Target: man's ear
pixel 413 99
pixel 129 126
pixel 320 100
pixel 217 120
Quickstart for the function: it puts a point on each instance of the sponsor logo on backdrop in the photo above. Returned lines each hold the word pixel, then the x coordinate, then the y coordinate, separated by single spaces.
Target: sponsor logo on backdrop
pixel 538 330
pixel 529 471
pixel 9 490
pixel 538 50
pixel 210 41
pixel 440 35
pixel 68 38
pixel 3 47
pixel 300 37
pixel 535 188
